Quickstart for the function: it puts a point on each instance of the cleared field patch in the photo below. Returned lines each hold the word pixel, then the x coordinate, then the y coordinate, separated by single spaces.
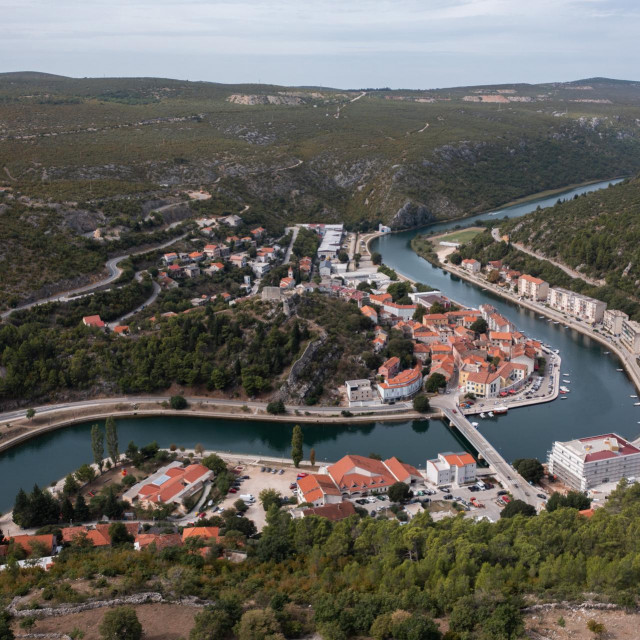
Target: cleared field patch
pixel 460 235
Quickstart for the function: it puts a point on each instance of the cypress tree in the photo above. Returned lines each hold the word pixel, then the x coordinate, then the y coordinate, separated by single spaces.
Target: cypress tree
pixel 112 439
pixel 296 445
pixel 97 445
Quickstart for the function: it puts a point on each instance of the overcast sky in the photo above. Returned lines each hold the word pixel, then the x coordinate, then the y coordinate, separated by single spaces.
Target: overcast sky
pixel 338 43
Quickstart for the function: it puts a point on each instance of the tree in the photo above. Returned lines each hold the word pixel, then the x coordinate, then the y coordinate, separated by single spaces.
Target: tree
pixel 70 487
pixel 530 469
pixel 112 439
pixel 258 624
pixel 597 628
pixel 376 258
pixel 178 402
pixel 399 492
pixel 6 632
pixel 269 497
pixel 120 624
pixel 418 314
pixel 30 413
pixel 97 445
pixel 573 500
pixel 276 407
pixel 421 404
pixel 296 445
pixel 119 534
pixel 479 326
pixel 517 507
pixel 215 463
pixel 85 473
pixel 343 256
pixel 81 510
pixel 312 457
pixel 434 382
pixel 211 623
pixel 455 258
pixel 240 505
pixel 66 510
pixel 199 449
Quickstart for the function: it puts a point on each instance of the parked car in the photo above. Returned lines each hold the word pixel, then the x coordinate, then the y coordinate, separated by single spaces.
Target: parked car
pixel 293 485
pixel 448 496
pixel 505 499
pixel 541 496
pixel 302 475
pixel 502 492
pixel 280 472
pixel 232 490
pixel 263 469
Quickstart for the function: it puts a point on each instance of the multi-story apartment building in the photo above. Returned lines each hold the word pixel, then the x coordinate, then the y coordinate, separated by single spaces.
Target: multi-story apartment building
pixel 533 288
pixel 612 321
pixel 587 309
pixel 630 336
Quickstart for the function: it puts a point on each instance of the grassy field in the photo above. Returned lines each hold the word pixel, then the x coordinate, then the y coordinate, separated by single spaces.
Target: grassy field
pixel 460 236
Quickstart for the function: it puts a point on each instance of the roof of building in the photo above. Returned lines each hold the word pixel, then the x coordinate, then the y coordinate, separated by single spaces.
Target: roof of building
pixel 160 540
pixel 603 447
pixel 26 541
pixel 358 473
pixel 333 512
pixel 482 377
pixel 93 321
pixel 401 470
pixel 458 459
pixel 171 481
pixel 531 279
pixel 316 486
pixel 208 533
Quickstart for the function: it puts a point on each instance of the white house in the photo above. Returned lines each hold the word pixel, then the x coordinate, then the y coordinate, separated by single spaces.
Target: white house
pixel 451 468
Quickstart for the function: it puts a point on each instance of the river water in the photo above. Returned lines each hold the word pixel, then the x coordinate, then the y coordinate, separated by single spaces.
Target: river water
pixel 599 401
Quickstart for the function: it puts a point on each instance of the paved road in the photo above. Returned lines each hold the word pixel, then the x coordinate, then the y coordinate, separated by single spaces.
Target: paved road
pixel 495 234
pixel 146 303
pixel 287 255
pixel 193 400
pixel 112 268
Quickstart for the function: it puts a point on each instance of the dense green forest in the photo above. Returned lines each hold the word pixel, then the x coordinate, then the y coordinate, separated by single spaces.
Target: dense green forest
pixel 596 233
pixel 244 348
pixel 374 577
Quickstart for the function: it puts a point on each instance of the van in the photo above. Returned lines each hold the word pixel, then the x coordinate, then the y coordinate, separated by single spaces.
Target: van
pixel 247 497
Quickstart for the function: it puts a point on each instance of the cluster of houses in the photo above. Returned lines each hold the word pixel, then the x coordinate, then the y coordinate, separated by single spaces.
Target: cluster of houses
pixel 40 550
pixel 577 305
pixel 489 364
pixel 355 476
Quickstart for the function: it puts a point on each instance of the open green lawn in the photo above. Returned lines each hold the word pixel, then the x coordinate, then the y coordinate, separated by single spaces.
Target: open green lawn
pixel 461 235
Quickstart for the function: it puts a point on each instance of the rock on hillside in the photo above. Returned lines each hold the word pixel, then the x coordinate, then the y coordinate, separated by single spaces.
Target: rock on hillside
pixel 239 98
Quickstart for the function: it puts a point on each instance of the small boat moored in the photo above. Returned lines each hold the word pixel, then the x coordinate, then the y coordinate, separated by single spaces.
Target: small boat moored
pixel 482 415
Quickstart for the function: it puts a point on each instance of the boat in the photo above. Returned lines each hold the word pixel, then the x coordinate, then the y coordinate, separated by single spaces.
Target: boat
pixel 503 409
pixel 554 322
pixel 567 381
pixel 636 404
pixel 541 317
pixel 490 414
pixel 606 353
pixel 619 369
pixel 474 424
pixel 633 396
pixel 564 397
pixel 482 415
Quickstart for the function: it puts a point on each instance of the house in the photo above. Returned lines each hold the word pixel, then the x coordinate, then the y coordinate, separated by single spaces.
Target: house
pixel 206 533
pixel 371 313
pixel 168 258
pixel 390 368
pixel 258 233
pixel 191 270
pixel 99 535
pixel 121 330
pixel 238 260
pixel 359 391
pixel 534 288
pixel 171 483
pixel 212 250
pixel 404 385
pixel 449 468
pixel 325 268
pixel 196 256
pixel 232 221
pixel 318 490
pixel 471 265
pixel 93 321
pixel 214 267
pixel 404 311
pixel 30 543
pixel 260 268
pixel 333 512
pixel 159 540
pixel 484 384
pixel 175 271
pixel 287 283
pixel 588 462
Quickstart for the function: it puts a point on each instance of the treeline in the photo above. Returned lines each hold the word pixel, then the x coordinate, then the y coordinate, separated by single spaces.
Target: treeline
pixel 375 578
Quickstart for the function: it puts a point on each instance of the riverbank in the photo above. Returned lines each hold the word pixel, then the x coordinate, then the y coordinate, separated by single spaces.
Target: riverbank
pixel 78 413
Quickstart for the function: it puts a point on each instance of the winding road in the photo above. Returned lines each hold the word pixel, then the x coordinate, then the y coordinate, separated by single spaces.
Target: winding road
pixel 112 268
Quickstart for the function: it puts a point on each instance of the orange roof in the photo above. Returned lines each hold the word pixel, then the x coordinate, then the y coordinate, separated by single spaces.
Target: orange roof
pixel 531 279
pixel 459 459
pixel 482 377
pixel 404 378
pixel 587 513
pixel 315 486
pixel 401 470
pixel 359 473
pixel 391 362
pixel 121 328
pixel 209 533
pixel 26 541
pixel 93 321
pixel 500 335
pixel 178 479
pixel 162 541
pixel 195 254
pixel 369 311
pixel 380 298
pixel 70 533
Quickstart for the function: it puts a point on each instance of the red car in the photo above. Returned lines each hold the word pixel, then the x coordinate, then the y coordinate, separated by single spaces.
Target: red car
pixel 302 475
pixel 505 499
pixel 232 490
pixel 454 411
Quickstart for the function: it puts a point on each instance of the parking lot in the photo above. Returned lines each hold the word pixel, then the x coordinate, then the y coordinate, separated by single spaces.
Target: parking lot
pixel 255 483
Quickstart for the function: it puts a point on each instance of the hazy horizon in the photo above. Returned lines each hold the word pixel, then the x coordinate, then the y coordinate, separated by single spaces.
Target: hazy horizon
pixel 410 44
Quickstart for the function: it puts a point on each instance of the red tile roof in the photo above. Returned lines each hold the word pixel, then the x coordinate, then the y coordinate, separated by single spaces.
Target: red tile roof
pixel 208 533
pixel 333 512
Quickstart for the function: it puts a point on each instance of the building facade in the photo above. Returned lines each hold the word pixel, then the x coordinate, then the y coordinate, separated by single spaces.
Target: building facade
pixel 587 309
pixel 359 391
pixel 448 468
pixel 630 336
pixel 533 288
pixel 588 462
pixel 612 321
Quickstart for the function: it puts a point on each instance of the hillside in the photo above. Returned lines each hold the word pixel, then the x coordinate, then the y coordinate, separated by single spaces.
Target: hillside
pixel 597 234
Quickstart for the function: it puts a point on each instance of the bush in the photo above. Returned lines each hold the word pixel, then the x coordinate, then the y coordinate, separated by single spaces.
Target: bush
pixel 121 624
pixel 178 402
pixel 421 404
pixel 276 407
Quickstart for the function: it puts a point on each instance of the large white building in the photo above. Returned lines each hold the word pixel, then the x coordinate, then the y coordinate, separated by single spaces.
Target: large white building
pixel 533 288
pixel 588 462
pixel 359 391
pixel 630 336
pixel 588 309
pixel 402 386
pixel 448 468
pixel 612 321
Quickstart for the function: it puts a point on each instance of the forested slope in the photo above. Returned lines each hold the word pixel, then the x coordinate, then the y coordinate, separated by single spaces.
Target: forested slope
pixel 597 234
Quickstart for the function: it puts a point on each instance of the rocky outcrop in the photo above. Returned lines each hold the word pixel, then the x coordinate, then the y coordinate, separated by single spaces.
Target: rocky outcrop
pixel 241 98
pixel 66 609
pixel 411 214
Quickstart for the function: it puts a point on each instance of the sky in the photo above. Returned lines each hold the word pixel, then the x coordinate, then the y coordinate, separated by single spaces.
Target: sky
pixel 336 43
